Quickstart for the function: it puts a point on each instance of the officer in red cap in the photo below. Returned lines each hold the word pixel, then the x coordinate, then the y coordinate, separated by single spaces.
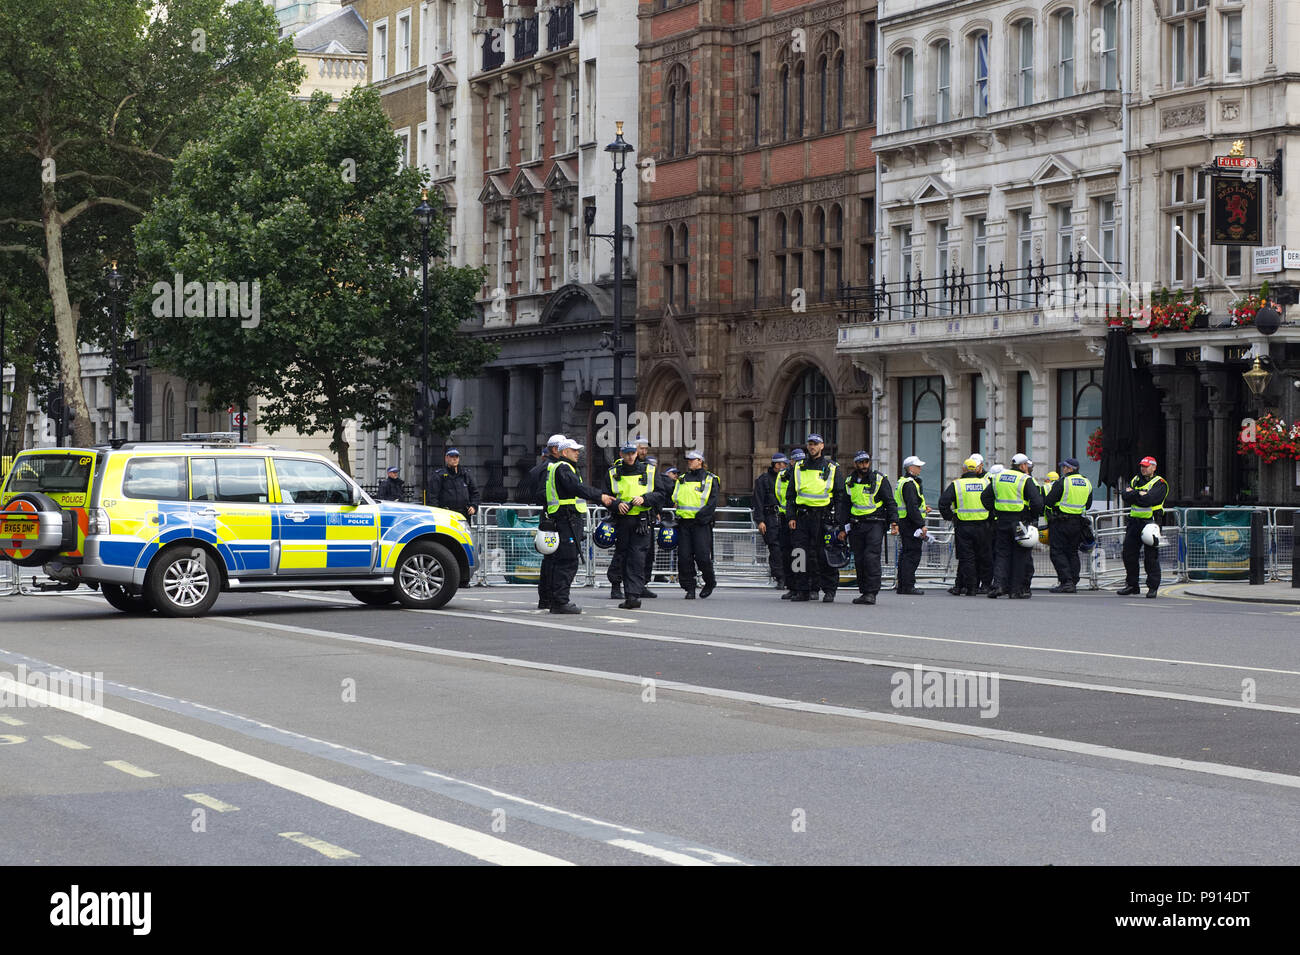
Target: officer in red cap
pixel 1145 497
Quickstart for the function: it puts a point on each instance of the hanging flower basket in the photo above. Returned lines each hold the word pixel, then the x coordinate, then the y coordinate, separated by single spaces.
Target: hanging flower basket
pixel 1273 440
pixel 1094 446
pixel 1242 310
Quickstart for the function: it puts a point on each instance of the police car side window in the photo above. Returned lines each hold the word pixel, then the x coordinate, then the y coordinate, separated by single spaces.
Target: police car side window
pixel 155 479
pixel 242 480
pixel 203 479
pixel 310 482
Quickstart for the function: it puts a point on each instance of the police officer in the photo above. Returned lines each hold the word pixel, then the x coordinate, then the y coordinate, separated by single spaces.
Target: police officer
pixel 962 502
pixel 984 544
pixel 454 487
pixel 768 518
pixel 784 507
pixel 632 484
pixel 1067 501
pixel 817 484
pixel 662 484
pixel 871 510
pixel 695 497
pixel 533 491
pixel 391 487
pixel 1145 497
pixel 565 497
pixel 1011 497
pixel 910 525
pixel 1027 578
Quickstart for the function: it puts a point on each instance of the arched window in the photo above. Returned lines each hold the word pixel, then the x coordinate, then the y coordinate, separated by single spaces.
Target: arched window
pixel 677 135
pixel 782 232
pixel 672 120
pixel 819 226
pixel 1079 404
pixel 942 82
pixel 839 90
pixel 785 101
pixel 830 83
pixel 921 403
pixel 801 101
pixel 669 260
pixel 810 409
pixel 907 90
pixel 684 264
pixel 796 228
pixel 1023 64
pixel 169 415
pixel 192 408
pixel 823 79
pixel 979 59
pixel 837 223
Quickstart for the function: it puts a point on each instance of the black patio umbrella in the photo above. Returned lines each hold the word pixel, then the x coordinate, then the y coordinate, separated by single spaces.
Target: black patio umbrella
pixel 1118 411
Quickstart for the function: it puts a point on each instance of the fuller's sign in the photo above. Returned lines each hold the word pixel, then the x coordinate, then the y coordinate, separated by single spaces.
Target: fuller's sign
pixel 1234 211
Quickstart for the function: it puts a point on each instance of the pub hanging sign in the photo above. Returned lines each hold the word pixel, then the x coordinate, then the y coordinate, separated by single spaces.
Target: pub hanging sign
pixel 1235 211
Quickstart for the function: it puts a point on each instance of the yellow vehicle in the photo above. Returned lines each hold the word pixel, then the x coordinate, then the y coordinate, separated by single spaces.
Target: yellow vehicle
pixel 168 526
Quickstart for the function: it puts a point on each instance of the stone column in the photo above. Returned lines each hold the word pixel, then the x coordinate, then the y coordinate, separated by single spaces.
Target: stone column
pixel 551 409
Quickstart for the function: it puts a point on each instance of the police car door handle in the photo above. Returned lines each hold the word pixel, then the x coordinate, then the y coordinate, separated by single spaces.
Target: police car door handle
pixel 297 516
pixel 208 512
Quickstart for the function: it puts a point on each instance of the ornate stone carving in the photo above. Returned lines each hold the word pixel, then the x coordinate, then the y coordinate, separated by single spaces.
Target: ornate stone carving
pixel 1061 190
pixel 799 328
pixel 747 333
pixel 1183 116
pixel 677 209
pixel 975 204
pixel 828 189
pixel 1230 109
pixel 675 48
pixel 787 195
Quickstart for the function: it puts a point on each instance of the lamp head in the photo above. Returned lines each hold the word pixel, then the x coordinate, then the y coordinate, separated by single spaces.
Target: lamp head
pixel 619 148
pixel 424 211
pixel 114 277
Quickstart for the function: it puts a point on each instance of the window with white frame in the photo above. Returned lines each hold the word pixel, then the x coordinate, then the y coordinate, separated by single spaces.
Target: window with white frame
pixel 1232 261
pixel 1024 254
pixel 503 129
pixel 1063 215
pixel 1064 53
pixel 1109 52
pixel 503 247
pixel 537 256
pixel 404 148
pixel 451 143
pixel 446 18
pixel 1232 44
pixel 1186 214
pixel 422 157
pixel 907 87
pixel 1188 40
pixel 1107 230
pixel 539 122
pixel 571 86
pixel 525 129
pixel 403 41
pixel 1024 63
pixel 904 242
pixel 942 82
pixel 980 72
pixel 942 263
pixel 979 260
pixel 380 61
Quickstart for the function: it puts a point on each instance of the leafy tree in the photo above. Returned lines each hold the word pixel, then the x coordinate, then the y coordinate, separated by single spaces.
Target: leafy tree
pixel 99 97
pixel 309 204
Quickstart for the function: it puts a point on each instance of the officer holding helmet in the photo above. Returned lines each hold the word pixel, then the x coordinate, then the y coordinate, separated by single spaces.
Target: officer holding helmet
pixel 767 516
pixel 871 509
pixel 910 526
pixel 1067 501
pixel 784 507
pixel 695 497
pixel 818 488
pixel 632 484
pixel 1145 497
pixel 962 502
pixel 566 507
pixel 1012 498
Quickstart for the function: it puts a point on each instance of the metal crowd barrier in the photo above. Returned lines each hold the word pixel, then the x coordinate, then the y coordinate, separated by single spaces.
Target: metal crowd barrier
pixel 10 580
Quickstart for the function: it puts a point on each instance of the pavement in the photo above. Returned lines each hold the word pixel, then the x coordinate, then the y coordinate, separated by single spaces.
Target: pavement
pixel 1274 592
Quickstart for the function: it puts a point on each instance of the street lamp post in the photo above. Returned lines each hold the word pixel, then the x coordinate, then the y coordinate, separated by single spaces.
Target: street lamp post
pixel 424 215
pixel 114 283
pixel 618 151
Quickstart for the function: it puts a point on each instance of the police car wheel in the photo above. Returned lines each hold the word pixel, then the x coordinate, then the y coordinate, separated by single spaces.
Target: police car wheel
pixel 374 596
pixel 122 599
pixel 31 501
pixel 427 576
pixel 183 582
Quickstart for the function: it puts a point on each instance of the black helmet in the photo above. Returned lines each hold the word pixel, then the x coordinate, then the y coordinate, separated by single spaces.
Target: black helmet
pixel 837 554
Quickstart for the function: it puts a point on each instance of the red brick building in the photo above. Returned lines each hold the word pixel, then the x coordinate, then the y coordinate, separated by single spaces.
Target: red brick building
pixel 759 202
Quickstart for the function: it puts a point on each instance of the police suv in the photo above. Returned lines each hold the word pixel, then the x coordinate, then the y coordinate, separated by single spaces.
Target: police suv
pixel 167 526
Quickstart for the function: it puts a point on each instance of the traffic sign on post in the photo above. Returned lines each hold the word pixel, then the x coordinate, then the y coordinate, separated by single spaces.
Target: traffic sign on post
pixel 238 419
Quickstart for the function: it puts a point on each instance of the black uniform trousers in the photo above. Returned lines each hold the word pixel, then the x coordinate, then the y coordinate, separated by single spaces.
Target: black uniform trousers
pixel 559 569
pixel 1064 535
pixel 784 538
pixel 630 545
pixel 807 543
pixel 1027 578
pixel 649 571
pixel 969 538
pixel 1009 559
pixel 909 555
pixel 1150 555
pixel 694 549
pixel 984 554
pixel 775 553
pixel 865 539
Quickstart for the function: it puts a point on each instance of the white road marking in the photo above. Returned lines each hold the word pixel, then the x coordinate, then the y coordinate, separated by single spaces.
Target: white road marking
pixel 899 665
pixel 211 802
pixel 476 844
pixel 69 743
pixel 11 721
pixel 957 729
pixel 8 740
pixel 129 769
pixel 327 849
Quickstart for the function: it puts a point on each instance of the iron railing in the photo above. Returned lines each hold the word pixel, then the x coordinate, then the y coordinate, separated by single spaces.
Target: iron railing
pixel 559 27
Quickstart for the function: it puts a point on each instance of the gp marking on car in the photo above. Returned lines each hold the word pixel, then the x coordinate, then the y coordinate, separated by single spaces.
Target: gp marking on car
pixel 167 526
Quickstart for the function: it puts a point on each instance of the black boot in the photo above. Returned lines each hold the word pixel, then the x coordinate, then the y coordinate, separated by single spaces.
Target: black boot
pixel 1129 590
pixel 690 595
pixel 566 608
pixel 617 592
pixel 707 589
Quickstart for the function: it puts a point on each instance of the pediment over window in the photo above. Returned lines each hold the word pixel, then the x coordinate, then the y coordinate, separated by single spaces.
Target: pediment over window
pixel 932 190
pixel 495 189
pixel 526 184
pixel 561 177
pixel 1054 169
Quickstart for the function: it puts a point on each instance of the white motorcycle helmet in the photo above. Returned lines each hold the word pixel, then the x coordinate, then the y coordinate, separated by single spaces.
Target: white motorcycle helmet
pixel 1151 535
pixel 1026 536
pixel 546 542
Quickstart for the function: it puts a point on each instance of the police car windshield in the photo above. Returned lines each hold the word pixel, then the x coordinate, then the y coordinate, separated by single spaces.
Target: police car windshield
pixel 50 473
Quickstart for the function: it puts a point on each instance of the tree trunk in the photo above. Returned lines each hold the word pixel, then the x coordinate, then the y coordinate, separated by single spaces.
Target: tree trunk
pixel 341 448
pixel 65 322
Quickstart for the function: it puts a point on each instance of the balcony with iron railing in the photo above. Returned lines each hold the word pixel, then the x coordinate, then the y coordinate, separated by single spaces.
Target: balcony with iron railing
pixel 1075 296
pixel 526 37
pixel 559 27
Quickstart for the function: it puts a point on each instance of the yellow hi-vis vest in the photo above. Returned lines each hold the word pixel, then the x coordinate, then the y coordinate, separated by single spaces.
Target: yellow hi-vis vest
pixel 970 505
pixel 1009 491
pixel 628 487
pixel 690 496
pixel 898 495
pixel 781 489
pixel 1138 484
pixel 863 497
pixel 553 502
pixel 1074 499
pixel 811 489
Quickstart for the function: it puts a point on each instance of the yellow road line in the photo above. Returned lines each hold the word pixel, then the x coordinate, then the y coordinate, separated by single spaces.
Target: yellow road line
pixel 212 803
pixel 129 769
pixel 329 850
pixel 69 743
pixel 11 721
